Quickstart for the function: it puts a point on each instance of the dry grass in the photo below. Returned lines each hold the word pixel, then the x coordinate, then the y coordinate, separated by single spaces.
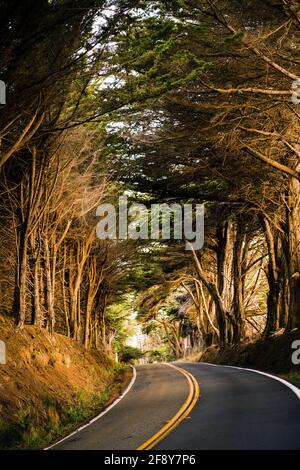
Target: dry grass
pixel 49 384
pixel 272 354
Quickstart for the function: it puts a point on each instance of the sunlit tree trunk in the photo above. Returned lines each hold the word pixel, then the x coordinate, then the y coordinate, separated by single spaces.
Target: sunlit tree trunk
pixel 238 287
pixel 37 320
pixel 293 261
pixel 49 289
pixel 273 307
pixel 21 285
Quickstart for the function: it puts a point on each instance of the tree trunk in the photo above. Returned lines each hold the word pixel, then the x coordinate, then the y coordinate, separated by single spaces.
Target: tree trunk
pixel 49 290
pixel 293 219
pixel 223 240
pixel 21 285
pixel 273 308
pixel 238 288
pixel 37 320
pixel 64 293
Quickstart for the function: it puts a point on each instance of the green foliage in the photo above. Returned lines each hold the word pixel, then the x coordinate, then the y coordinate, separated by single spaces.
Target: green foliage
pixel 160 354
pixel 129 354
pixel 117 320
pixel 153 58
pixel 10 435
pixel 294 377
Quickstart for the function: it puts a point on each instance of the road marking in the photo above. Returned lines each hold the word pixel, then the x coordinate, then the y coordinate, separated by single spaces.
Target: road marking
pixel 102 413
pixel 292 387
pixel 190 402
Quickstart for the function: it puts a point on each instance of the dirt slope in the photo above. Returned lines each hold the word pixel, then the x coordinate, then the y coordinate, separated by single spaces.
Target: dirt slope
pixel 49 384
pixel 272 354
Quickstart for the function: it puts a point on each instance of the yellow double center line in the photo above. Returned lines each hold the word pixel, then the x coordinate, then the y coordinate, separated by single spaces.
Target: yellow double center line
pixel 190 402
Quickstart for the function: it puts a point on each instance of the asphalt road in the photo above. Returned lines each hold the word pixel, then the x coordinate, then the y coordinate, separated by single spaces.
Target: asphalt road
pixel 155 397
pixel 237 409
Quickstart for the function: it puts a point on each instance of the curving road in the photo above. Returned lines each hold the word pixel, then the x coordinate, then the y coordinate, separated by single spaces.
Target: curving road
pixel 237 410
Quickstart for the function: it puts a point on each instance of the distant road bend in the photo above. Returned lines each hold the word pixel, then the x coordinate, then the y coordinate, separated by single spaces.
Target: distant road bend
pixel 236 409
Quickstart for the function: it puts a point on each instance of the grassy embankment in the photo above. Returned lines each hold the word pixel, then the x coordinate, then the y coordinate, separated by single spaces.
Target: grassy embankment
pixel 50 385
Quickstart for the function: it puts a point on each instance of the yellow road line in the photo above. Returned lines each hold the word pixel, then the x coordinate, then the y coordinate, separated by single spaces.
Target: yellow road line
pixel 190 402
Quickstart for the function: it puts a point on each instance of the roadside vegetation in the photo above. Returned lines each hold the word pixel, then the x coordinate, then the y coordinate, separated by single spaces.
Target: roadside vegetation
pixel 51 385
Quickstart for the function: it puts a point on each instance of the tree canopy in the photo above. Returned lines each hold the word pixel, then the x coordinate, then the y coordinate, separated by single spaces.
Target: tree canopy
pixel 189 101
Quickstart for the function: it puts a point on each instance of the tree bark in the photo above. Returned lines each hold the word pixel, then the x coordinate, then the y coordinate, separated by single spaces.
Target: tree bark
pixel 21 285
pixel 238 288
pixel 37 320
pixel 293 222
pixel 49 290
pixel 214 292
pixel 273 280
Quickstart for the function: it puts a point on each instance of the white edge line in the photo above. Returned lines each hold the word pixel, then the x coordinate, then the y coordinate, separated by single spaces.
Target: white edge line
pixel 102 413
pixel 292 387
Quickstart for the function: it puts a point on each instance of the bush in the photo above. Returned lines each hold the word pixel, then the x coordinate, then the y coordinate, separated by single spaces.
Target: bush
pixel 130 354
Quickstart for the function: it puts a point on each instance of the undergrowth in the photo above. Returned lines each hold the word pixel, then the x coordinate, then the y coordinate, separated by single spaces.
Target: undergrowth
pixel 32 431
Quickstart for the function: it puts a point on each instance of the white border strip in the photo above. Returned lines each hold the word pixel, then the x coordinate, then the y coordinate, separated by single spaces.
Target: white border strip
pixel 101 414
pixel 292 387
